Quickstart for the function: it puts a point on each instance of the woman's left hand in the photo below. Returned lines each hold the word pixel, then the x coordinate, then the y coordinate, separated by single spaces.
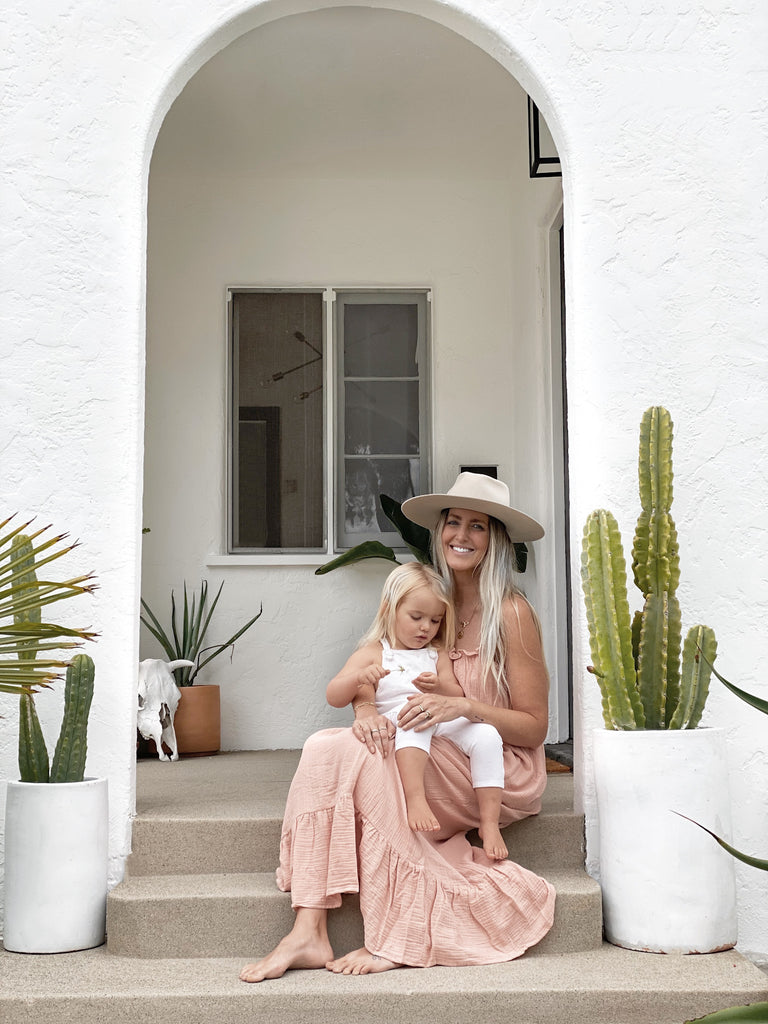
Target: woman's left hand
pixel 422 710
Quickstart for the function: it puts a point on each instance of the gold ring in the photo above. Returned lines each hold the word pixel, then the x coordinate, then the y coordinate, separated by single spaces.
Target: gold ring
pixel 421 709
pixel 428 714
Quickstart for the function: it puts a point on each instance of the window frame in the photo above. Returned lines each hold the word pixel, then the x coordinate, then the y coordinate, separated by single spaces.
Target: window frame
pixel 333 428
pixel 391 296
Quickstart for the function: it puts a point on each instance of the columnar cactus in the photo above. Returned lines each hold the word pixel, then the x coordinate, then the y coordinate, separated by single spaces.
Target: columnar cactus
pixel 69 756
pixel 638 664
pixel 33 754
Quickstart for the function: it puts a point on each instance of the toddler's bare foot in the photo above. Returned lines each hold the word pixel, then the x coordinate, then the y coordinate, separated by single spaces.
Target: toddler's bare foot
pixel 360 961
pixel 291 952
pixel 493 844
pixel 420 816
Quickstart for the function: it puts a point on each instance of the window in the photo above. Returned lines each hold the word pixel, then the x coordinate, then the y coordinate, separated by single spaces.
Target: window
pixel 318 430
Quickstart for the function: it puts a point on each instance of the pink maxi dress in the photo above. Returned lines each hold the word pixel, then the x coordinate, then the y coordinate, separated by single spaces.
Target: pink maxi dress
pixel 426 898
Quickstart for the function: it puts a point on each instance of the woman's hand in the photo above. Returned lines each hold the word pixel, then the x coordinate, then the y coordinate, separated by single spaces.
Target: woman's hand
pixel 421 711
pixel 376 732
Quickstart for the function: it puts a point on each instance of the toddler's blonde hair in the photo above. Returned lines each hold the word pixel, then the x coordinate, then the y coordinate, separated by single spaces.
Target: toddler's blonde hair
pixel 402 581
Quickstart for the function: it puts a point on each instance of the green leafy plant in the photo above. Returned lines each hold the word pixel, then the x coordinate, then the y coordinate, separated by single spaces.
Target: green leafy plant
pixel 761 705
pixel 185 640
pixel 23 635
pixel 417 539
pixel 755 1013
pixel 637 661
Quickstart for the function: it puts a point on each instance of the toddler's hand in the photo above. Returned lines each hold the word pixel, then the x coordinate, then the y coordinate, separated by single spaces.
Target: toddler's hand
pixel 426 682
pixel 371 675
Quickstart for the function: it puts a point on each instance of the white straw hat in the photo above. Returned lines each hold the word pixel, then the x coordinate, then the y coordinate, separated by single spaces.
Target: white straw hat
pixel 478 493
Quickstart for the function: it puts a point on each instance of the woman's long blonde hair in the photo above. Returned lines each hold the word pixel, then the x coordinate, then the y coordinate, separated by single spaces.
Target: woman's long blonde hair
pixel 401 582
pixel 497 583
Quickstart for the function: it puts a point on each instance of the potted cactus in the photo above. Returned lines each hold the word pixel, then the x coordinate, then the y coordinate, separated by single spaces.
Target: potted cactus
pixel 662 890
pixel 56 821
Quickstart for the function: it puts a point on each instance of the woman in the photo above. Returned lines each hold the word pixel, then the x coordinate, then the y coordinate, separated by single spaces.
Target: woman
pixel 428 898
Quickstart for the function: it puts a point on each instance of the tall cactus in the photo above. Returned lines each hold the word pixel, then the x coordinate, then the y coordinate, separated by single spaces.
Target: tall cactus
pixel 33 754
pixel 638 664
pixel 69 756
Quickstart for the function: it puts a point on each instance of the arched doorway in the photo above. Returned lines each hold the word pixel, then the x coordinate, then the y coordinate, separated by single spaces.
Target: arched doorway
pixel 344 148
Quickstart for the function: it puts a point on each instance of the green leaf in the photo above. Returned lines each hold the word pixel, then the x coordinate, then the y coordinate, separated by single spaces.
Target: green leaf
pixel 417 538
pixel 749 698
pixel 745 858
pixel 218 648
pixel 368 549
pixel 755 1013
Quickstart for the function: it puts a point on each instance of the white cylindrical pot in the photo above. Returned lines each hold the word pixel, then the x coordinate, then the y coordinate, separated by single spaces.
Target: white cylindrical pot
pixel 56 842
pixel 667 885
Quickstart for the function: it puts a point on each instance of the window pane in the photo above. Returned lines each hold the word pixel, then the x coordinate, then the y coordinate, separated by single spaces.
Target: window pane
pixel 365 480
pixel 381 417
pixel 380 340
pixel 278 420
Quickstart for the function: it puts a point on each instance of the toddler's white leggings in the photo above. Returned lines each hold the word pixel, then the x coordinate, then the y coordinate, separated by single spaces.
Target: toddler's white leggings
pixel 478 740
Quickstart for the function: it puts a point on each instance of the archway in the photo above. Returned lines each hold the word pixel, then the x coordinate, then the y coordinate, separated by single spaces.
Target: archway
pixel 343 147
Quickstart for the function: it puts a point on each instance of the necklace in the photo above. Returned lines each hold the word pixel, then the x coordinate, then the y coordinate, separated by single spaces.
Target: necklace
pixel 464 623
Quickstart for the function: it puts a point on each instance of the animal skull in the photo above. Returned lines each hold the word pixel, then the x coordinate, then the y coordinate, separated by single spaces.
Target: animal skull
pixel 159 697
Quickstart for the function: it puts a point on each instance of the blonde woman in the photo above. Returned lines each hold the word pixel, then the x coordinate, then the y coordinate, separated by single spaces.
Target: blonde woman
pixel 428 897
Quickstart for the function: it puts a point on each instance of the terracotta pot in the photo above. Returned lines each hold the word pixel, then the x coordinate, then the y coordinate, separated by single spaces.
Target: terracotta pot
pixel 667 886
pixel 198 720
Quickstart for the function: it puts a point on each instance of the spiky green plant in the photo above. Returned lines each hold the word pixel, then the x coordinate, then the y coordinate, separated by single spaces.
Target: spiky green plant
pixel 637 661
pixel 185 640
pixel 23 635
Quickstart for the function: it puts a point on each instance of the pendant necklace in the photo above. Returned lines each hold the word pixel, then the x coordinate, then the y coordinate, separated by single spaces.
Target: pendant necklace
pixel 463 624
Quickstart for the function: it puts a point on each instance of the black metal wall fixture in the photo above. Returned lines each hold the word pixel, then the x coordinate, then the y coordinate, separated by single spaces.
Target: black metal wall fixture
pixel 542 155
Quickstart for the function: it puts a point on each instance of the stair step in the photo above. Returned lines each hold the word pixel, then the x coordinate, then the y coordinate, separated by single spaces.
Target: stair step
pixel 244 914
pixel 192 821
pixel 604 986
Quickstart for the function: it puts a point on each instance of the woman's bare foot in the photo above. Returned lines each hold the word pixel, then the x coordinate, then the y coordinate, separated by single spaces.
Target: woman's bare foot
pixel 420 816
pixel 360 961
pixel 493 844
pixel 293 951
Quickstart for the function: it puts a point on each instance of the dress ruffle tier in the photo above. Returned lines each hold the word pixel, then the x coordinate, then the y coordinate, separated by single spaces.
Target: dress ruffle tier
pixel 426 898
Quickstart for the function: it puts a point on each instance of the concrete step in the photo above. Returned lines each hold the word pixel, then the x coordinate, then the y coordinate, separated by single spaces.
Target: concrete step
pixel 604 986
pixel 224 813
pixel 245 915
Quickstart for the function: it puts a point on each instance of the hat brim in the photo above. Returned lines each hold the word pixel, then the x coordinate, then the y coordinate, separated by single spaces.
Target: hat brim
pixel 425 510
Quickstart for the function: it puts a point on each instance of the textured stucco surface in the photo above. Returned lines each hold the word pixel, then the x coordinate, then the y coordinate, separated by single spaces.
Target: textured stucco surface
pixel 660 116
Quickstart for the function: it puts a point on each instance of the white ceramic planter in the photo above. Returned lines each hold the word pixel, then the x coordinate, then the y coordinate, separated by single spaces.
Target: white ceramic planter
pixel 56 838
pixel 667 886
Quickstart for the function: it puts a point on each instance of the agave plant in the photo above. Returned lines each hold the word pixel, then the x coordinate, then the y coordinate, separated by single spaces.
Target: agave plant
pixel 416 539
pixel 185 640
pixel 754 1013
pixel 761 705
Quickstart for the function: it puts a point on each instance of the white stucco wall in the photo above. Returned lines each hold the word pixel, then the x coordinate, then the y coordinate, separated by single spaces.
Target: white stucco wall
pixel 659 113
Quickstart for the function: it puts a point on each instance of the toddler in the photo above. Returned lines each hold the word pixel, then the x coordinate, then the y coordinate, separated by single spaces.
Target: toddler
pixel 397 659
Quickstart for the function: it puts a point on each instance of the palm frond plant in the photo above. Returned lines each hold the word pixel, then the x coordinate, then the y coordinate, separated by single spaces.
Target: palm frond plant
pixel 185 639
pixel 24 634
